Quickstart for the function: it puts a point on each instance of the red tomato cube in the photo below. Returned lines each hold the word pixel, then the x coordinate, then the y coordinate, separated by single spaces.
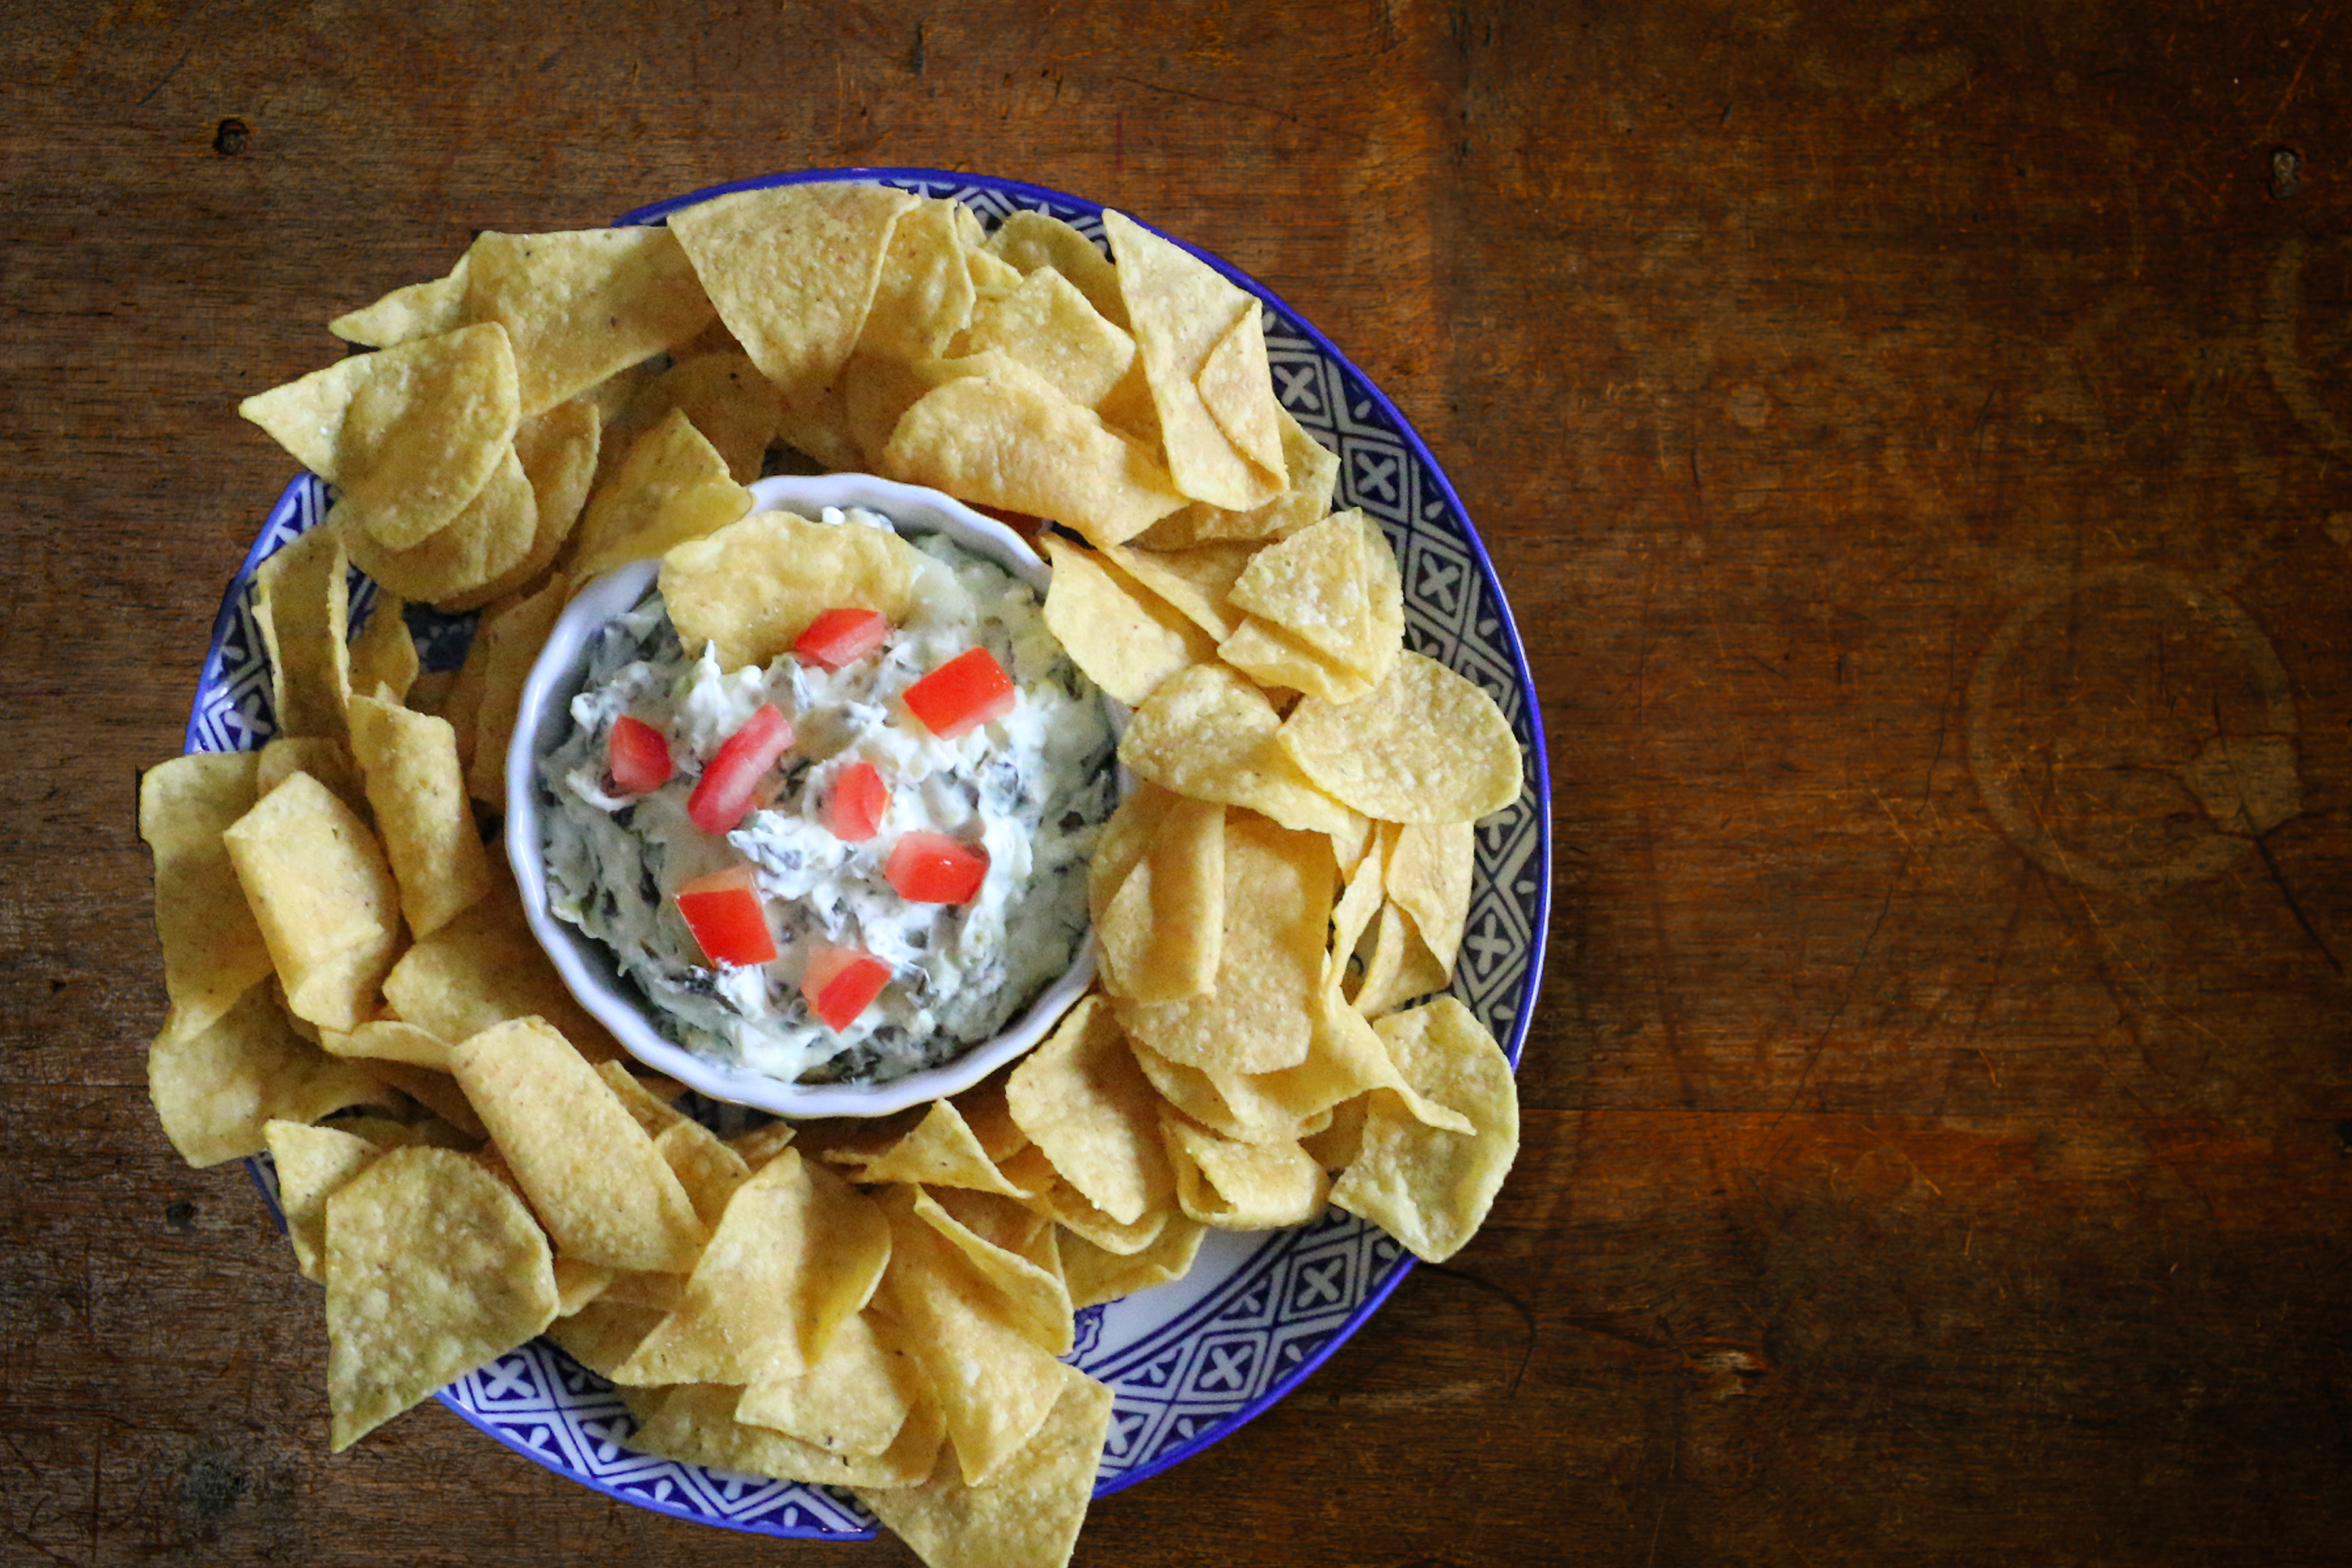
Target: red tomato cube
pixel 859 799
pixel 841 637
pixel 840 983
pixel 932 869
pixel 963 694
pixel 639 756
pixel 723 795
pixel 723 910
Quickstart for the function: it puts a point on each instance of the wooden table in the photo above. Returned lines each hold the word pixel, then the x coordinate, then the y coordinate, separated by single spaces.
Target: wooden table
pixel 1918 445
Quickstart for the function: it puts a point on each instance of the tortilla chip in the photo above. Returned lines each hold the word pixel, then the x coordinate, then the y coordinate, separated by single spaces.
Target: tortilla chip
pixel 580 306
pixel 1311 473
pixel 941 1151
pixel 434 1267
pixel 708 1169
pixel 312 1161
pixel 383 658
pixel 489 537
pixel 1236 387
pixel 1429 877
pixel 1196 581
pixel 755 585
pixel 327 760
pixel 1180 308
pixel 797 1253
pixel 603 1190
pixel 1021 445
pixel 1277 908
pixel 696 1423
pixel 1017 1259
pixel 1426 746
pixel 672 487
pixel 301 604
pixel 1098 1275
pixel 1049 326
pixel 217 1089
pixel 485 968
pixel 603 1334
pixel 1031 1509
pixel 853 1399
pixel 728 401
pixel 418 794
pixel 323 896
pixel 1125 643
pixel 389 1039
pixel 1161 932
pixel 1210 734
pixel 408 434
pixel 1081 1097
pixel 923 295
pixel 558 450
pixel 994 1385
pixel 1030 239
pixel 213 950
pixel 793 269
pixel 510 641
pixel 1398 967
pixel 1430 1188
pixel 419 311
pixel 1231 1185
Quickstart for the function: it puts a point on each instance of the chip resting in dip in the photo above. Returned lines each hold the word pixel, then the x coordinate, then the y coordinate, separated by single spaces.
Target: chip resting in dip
pixel 830 841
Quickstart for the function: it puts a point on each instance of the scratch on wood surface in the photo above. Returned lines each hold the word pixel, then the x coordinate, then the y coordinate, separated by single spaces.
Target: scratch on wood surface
pixel 2295 83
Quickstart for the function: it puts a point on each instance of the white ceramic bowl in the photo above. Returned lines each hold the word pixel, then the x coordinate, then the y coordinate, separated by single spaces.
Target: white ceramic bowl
pixel 586 964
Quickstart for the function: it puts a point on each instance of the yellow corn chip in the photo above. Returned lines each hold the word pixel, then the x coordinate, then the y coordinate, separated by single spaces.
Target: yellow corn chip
pixel 1097 1274
pixel 942 1151
pixel 1029 240
pixel 793 269
pixel 1429 877
pixel 418 794
pixel 1311 472
pixel 301 604
pixel 854 1399
pixel 708 1169
pixel 1017 1259
pixel 557 451
pixel 409 434
pixel 1237 388
pixel 673 487
pixel 389 1039
pixel 728 401
pixel 1081 1097
pixel 490 535
pixel 419 311
pixel 1277 907
pixel 323 896
pixel 603 1190
pixel 1398 967
pixel 1032 1506
pixel 213 950
pixel 1047 324
pixel 1125 643
pixel 1163 931
pixel 696 1423
pixel 1022 445
pixel 1428 1187
pixel 923 295
pixel 994 1385
pixel 1207 734
pixel 1197 581
pixel 434 1267
pixel 326 760
pixel 510 641
pixel 580 306
pixel 755 585
pixel 312 1161
pixel 1426 746
pixel 216 1088
pixel 1180 308
pixel 603 1334
pixel 1231 1185
pixel 383 659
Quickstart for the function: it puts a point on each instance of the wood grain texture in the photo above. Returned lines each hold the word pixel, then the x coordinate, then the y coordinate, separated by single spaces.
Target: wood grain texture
pixel 1916 444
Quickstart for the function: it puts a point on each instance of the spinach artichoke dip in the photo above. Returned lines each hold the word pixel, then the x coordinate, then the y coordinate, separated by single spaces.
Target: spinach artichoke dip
pixel 1015 801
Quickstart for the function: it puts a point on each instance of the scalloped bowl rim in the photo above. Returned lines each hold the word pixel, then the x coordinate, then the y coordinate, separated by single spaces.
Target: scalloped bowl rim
pixel 584 963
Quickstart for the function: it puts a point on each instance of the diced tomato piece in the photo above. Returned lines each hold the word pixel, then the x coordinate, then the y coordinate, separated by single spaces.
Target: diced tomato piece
pixel 639 756
pixel 859 799
pixel 932 869
pixel 963 694
pixel 723 794
pixel 841 637
pixel 841 983
pixel 723 910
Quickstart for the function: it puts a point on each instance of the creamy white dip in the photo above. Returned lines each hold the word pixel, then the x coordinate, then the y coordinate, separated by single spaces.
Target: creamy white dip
pixel 1032 789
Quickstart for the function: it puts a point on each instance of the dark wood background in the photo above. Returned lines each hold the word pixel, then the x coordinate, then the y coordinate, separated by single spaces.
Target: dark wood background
pixel 1916 441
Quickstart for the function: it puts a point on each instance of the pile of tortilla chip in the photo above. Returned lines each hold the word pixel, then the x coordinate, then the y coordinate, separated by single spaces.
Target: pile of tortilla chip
pixel 466 1159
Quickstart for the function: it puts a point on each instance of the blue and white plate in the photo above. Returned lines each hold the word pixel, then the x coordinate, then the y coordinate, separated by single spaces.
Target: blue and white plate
pixel 1187 1362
